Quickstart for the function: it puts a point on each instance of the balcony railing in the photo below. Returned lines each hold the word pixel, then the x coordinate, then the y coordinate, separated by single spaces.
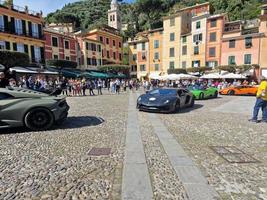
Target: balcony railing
pixel 250 31
pixel 20 9
pixel 24 33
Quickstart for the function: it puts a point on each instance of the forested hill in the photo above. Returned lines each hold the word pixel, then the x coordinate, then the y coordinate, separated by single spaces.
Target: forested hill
pixel 146 13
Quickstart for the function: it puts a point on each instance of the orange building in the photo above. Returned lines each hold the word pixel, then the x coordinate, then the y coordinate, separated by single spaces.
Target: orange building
pixel 112 43
pixel 21 30
pixel 215 25
pixel 263 46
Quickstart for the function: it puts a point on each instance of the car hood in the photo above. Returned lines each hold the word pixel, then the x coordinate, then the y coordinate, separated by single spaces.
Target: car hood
pixel 158 98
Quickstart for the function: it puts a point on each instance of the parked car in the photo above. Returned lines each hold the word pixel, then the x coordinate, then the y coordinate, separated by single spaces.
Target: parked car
pixel 35 110
pixel 165 100
pixel 240 90
pixel 210 92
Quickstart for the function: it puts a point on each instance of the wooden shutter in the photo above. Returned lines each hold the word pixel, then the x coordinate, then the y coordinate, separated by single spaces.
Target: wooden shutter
pixel 32 53
pixel 40 31
pixel 7 45
pixel 15 47
pixel 42 54
pixel 6 23
pixel 12 25
pixel 30 28
pixel 26 49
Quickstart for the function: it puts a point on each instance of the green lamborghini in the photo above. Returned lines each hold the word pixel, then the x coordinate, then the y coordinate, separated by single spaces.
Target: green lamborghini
pixel 35 110
pixel 200 94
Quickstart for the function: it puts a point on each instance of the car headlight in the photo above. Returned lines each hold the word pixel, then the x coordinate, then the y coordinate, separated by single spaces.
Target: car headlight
pixel 167 101
pixel 139 99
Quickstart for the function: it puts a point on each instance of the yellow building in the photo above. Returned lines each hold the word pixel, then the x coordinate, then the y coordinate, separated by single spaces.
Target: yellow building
pixel 186 49
pixel 21 30
pixel 155 38
pixel 263 46
pixel 139 56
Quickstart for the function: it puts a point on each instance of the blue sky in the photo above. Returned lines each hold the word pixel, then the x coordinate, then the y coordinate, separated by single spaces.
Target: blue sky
pixel 46 6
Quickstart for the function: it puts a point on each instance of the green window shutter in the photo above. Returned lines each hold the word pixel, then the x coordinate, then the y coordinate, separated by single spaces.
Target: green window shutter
pixel 8 45
pixel 15 47
pixel 24 27
pixel 6 23
pixel 26 49
pixel 30 28
pixel 32 53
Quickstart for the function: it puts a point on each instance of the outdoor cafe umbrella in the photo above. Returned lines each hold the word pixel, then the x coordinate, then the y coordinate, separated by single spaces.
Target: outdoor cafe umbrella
pixel 233 76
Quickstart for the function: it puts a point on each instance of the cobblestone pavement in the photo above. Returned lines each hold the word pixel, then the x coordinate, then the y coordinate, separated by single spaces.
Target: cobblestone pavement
pixel 56 164
pixel 199 129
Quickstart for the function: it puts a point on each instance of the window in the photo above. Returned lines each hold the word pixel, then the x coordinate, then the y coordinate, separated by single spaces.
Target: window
pixel 247 59
pixel 156 67
pixel 54 42
pixel 110 18
pixel 18 26
pixel 20 48
pixel 171 52
pixel 143 46
pixel 120 57
pixel 184 39
pixel 55 57
pixel 213 37
pixel 99 49
pixel 120 44
pixel 35 31
pixel 248 42
pixel 135 46
pixel 67 58
pixel 67 44
pixel 196 50
pixel 37 54
pixel 156 55
pixel 114 43
pixel 231 60
pixel 101 39
pixel 212 64
pixel 89 61
pixel 4 96
pixel 2 25
pixel 196 63
pixel 198 25
pixel 231 43
pixel 107 41
pixel 212 52
pixel 213 23
pixel 197 38
pixel 134 57
pixel 184 64
pixel 184 50
pixel 171 66
pixel 114 55
pixel 108 56
pixel 142 67
pixel 172 22
pixel 143 55
pixel 156 44
pixel 172 36
pixel 2 45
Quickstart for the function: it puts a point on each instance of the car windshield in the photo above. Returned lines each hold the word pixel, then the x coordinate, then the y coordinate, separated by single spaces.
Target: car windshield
pixel 163 92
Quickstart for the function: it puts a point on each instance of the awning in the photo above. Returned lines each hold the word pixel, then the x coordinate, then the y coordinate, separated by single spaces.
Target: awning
pixel 32 70
pixel 233 76
pixel 154 75
pixel 142 74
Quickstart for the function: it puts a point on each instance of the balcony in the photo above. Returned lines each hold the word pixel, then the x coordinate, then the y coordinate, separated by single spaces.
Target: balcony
pixel 19 9
pixel 232 28
pixel 20 32
pixel 250 31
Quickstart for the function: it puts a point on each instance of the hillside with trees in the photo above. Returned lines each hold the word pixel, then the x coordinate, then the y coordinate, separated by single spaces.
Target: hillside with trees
pixel 146 14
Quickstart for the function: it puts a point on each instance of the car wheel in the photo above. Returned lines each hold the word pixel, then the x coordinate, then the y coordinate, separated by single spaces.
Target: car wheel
pixel 231 92
pixel 192 103
pixel 39 119
pixel 201 95
pixel 216 94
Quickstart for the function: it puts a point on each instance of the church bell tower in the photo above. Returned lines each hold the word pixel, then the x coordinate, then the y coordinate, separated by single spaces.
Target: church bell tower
pixel 114 18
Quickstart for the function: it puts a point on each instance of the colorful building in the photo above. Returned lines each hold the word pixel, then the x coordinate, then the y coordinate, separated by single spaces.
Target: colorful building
pixel 215 26
pixel 21 30
pixel 263 45
pixel 155 38
pixel 60 46
pixel 139 56
pixel 186 49
pixel 90 53
pixel 241 43
pixel 112 43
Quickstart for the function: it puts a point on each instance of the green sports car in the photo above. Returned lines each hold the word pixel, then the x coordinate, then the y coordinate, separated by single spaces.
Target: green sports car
pixel 205 93
pixel 37 111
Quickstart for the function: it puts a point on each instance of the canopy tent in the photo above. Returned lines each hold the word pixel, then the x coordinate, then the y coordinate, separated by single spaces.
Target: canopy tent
pixel 173 77
pixel 154 75
pixel 233 76
pixel 211 76
pixel 32 70
pixel 186 77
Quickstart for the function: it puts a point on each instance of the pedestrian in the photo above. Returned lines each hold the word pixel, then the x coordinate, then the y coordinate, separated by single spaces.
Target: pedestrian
pixel 261 101
pixel 84 86
pixel 99 87
pixel 91 88
pixel 3 81
pixel 64 86
pixel 118 86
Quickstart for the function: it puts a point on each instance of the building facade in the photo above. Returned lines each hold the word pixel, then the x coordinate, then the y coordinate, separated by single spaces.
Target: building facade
pixel 114 17
pixel 60 46
pixel 21 30
pixel 241 43
pixel 263 45
pixel 215 25
pixel 112 44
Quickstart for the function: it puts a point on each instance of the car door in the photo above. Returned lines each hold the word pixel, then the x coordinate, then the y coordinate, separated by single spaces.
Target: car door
pixel 5 100
pixel 182 96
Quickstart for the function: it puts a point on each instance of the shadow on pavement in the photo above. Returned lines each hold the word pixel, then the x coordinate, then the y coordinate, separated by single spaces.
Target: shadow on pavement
pixel 186 110
pixel 81 121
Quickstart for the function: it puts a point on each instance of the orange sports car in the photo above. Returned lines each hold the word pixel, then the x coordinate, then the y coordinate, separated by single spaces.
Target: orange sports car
pixel 240 90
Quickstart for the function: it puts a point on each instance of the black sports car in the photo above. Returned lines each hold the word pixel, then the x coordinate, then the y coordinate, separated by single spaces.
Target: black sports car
pixel 165 100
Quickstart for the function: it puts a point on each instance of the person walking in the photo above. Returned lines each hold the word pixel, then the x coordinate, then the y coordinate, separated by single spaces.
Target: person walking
pixel 99 87
pixel 261 101
pixel 118 86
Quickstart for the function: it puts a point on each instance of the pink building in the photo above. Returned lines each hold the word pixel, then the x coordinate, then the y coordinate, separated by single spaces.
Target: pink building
pixel 241 43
